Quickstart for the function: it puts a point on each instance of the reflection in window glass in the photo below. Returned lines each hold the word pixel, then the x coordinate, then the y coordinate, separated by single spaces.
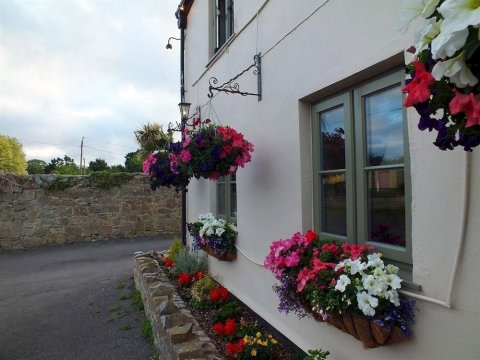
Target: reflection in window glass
pixel 332 139
pixel 386 206
pixel 384 127
pixel 334 206
pixel 233 199
pixel 222 200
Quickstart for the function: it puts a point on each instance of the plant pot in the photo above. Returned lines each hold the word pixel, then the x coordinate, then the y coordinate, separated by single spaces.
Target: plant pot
pixel 228 256
pixel 364 332
pixel 349 325
pixel 396 336
pixel 380 333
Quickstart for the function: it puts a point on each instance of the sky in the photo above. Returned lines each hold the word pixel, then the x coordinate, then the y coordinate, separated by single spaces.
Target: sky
pixel 96 69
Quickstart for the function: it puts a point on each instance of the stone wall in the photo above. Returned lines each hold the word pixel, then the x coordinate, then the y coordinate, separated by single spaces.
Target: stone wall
pixel 31 215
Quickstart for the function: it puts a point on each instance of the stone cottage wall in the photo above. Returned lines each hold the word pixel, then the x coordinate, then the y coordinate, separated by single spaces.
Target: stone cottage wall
pixel 31 215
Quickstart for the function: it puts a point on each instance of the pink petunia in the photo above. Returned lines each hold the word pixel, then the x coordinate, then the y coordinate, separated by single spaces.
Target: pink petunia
pixel 418 88
pixel 469 104
pixel 185 156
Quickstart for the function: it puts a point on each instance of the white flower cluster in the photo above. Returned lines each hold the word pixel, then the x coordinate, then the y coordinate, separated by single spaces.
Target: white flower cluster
pixel 373 280
pixel 213 226
pixel 446 36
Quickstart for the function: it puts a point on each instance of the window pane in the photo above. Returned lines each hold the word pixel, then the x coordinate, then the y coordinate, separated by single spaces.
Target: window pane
pixel 386 206
pixel 332 139
pixel 334 207
pixel 221 199
pixel 233 199
pixel 384 127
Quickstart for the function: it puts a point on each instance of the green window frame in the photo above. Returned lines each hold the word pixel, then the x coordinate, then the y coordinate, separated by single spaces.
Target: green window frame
pixel 226 198
pixel 364 196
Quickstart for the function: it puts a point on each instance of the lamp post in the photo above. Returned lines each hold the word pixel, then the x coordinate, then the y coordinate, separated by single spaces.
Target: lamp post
pixel 184 112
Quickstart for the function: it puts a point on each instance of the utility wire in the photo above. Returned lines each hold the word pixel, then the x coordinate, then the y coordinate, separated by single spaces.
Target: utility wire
pixel 104 143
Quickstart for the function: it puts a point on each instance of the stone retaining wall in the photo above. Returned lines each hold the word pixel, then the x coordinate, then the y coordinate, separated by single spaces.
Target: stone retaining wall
pixel 33 216
pixel 177 334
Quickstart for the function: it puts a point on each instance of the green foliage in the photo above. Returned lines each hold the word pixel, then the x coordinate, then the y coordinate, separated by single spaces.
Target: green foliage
pixel 147 330
pixel 137 300
pixel 151 137
pixel 115 309
pixel 133 161
pixel 36 166
pixel 106 180
pixel 65 166
pixel 317 355
pixel 12 156
pixel 120 286
pixel 190 261
pixel 228 311
pixel 98 165
pixel 61 183
pixel 175 247
pixel 117 169
pixel 200 292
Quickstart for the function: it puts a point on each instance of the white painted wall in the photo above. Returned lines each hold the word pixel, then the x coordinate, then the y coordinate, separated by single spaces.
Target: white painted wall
pixel 274 190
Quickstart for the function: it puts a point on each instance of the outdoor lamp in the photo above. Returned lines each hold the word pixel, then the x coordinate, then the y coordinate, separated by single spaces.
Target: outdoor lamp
pixel 184 110
pixel 169 46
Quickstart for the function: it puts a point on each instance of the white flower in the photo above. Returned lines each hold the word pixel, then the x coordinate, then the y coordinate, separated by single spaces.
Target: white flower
pixel 367 303
pixel 392 295
pixel 373 285
pixel 412 9
pixel 394 281
pixel 219 231
pixel 448 42
pixel 340 265
pixel 456 70
pixel 460 14
pixel 428 33
pixel 391 269
pixel 342 282
pixel 375 260
pixel 357 267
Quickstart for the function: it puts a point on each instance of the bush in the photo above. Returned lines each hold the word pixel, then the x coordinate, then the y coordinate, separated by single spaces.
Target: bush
pixel 174 249
pixel 228 311
pixel 190 262
pixel 200 292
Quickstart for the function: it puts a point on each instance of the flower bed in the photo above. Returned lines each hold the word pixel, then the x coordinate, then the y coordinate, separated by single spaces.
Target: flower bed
pixel 215 236
pixel 347 285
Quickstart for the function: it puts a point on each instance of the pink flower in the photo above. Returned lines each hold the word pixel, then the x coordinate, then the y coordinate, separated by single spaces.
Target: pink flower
pixel 330 247
pixel 185 156
pixel 292 260
pixel 187 142
pixel 304 276
pixel 214 175
pixel 355 251
pixel 418 88
pixel 469 104
pixel 148 162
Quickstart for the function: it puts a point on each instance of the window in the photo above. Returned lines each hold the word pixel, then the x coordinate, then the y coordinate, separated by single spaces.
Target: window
pixel 227 198
pixel 223 22
pixel 361 172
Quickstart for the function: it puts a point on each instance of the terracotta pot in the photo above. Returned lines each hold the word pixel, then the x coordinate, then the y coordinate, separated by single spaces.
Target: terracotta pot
pixel 362 325
pixel 380 333
pixel 222 257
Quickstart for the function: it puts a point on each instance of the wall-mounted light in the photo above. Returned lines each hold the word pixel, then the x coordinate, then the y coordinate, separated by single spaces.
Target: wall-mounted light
pixel 184 110
pixel 169 46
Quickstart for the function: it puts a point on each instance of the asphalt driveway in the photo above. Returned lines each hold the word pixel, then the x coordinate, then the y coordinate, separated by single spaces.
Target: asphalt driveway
pixel 72 302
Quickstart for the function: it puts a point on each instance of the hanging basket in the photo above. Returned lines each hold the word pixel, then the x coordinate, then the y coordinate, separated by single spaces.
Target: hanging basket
pixel 366 330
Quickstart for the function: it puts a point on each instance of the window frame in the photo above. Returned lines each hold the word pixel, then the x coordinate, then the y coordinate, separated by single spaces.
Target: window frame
pixel 228 181
pixel 356 168
pixel 222 29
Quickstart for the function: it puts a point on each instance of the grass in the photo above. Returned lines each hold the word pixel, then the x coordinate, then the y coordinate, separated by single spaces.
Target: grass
pixel 147 330
pixel 126 327
pixel 115 309
pixel 124 297
pixel 137 300
pixel 120 286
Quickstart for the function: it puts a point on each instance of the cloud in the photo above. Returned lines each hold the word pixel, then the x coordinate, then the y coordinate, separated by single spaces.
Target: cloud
pixel 96 69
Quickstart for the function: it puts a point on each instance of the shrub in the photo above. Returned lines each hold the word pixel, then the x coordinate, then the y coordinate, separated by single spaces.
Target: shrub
pixel 175 247
pixel 190 261
pixel 201 292
pixel 228 311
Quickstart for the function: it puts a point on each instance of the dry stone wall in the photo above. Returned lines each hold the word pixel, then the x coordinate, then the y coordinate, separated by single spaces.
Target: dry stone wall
pixel 31 215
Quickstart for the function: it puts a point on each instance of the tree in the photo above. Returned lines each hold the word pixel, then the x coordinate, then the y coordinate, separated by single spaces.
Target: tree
pixel 36 166
pixel 65 166
pixel 12 157
pixel 151 137
pixel 98 165
pixel 117 168
pixel 133 161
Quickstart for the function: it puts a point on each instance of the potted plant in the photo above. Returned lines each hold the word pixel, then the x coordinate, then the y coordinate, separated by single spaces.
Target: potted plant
pixel 347 285
pixel 215 236
pixel 443 86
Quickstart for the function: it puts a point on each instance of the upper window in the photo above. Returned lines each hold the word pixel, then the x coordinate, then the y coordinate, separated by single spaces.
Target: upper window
pixel 223 22
pixel 361 169
pixel 227 198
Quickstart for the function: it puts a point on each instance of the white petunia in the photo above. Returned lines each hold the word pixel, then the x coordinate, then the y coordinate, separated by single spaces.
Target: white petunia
pixel 447 43
pixel 411 9
pixel 373 285
pixel 394 281
pixel 357 266
pixel 342 283
pixel 456 70
pixel 427 34
pixel 375 260
pixel 340 265
pixel 391 269
pixel 367 303
pixel 392 295
pixel 460 14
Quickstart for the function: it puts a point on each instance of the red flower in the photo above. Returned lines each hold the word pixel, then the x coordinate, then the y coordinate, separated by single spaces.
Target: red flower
pixel 184 279
pixel 310 235
pixel 219 293
pixel 469 104
pixel 235 348
pixel 230 328
pixel 223 293
pixel 199 275
pixel 355 251
pixel 219 328
pixel 169 262
pixel 418 88
pixel 330 247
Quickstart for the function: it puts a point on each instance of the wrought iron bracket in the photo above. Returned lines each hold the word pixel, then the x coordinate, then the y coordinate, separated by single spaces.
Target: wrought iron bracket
pixel 232 87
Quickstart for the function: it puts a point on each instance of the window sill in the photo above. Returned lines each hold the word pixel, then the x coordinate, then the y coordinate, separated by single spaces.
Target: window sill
pixel 221 50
